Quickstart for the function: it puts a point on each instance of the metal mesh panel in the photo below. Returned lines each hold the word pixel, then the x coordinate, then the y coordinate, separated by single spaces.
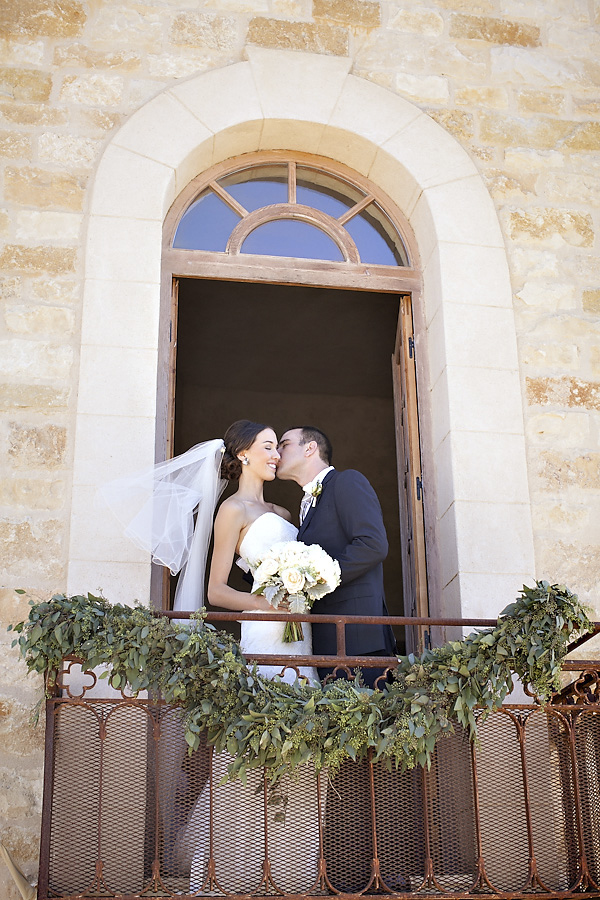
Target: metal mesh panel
pixel 502 803
pixel 133 814
pixel 587 745
pixel 548 826
pixel 450 814
pixel 75 799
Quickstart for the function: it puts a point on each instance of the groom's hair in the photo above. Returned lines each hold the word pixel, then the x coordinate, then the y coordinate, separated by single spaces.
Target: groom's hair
pixel 310 433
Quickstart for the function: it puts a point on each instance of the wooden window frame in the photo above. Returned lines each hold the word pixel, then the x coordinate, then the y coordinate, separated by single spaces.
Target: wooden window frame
pixel 350 274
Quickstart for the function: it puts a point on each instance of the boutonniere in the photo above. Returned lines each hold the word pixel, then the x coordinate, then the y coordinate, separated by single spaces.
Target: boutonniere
pixel 315 492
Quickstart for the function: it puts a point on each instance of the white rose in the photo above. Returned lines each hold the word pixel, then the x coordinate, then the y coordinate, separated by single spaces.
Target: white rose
pixel 267 568
pixel 293 580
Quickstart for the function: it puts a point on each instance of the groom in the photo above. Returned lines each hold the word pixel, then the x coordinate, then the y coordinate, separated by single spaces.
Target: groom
pixel 341 512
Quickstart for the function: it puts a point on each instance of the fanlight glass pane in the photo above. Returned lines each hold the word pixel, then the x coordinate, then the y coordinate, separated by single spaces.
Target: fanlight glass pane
pixel 325 192
pixel 258 187
pixel 292 237
pixel 206 224
pixel 375 245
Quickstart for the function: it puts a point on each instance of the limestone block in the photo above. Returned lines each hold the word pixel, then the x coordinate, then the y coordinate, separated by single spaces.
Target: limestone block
pixel 39 320
pixel 519 65
pixel 378 55
pixel 559 429
pixel 53 18
pixel 33 226
pixel 123 25
pixel 34 359
pixel 309 36
pixel 541 134
pixel 496 31
pixel 34 549
pixel 11 288
pixel 492 97
pixel 423 88
pixel 557 471
pixel 290 9
pixel 20 793
pixel 565 391
pixel 38 398
pixel 581 188
pixel 587 106
pixel 56 291
pixel 557 226
pixel 67 150
pixel 82 56
pixel 457 122
pixel 92 90
pixel 176 65
pixel 17 734
pixel 562 518
pixel 549 103
pixel 547 295
pixel 13 145
pixel 595 359
pixel 533 264
pixel 32 114
pixel 419 21
pixel 585 137
pixel 97 121
pixel 523 160
pixel 55 260
pixel 41 446
pixel 465 62
pixel 32 493
pixel 355 13
pixel 591 301
pixel 25 85
pixel 5 222
pixel 21 53
pixel 39 187
pixel 575 564
pixel 567 328
pixel 506 188
pixel 205 30
pixel 550 356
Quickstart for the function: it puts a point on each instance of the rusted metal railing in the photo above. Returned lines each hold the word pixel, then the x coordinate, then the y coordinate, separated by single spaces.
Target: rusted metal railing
pixel 128 813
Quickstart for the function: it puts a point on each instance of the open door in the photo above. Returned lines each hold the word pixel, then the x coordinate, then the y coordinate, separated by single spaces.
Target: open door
pixel 410 483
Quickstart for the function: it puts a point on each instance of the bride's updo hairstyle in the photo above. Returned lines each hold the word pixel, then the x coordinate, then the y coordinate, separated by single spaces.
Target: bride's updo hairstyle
pixel 239 437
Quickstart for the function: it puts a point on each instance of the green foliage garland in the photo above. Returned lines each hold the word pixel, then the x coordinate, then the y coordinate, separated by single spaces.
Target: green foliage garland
pixel 263 722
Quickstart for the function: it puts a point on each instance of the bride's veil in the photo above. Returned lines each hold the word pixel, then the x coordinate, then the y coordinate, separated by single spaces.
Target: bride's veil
pixel 156 509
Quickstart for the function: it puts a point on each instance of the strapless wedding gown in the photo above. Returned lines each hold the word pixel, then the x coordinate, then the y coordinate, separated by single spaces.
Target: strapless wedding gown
pixel 239 811
pixel 267 637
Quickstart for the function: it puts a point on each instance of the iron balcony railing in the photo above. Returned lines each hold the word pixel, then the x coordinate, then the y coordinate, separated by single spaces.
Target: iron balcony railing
pixel 128 813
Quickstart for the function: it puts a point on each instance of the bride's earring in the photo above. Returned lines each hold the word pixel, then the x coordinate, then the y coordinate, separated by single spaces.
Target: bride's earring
pixel 245 461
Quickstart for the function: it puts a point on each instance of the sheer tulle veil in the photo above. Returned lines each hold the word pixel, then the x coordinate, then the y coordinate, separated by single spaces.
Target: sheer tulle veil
pixel 157 507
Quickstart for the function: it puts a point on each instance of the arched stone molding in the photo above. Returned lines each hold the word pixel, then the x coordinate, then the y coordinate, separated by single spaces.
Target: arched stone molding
pixel 470 393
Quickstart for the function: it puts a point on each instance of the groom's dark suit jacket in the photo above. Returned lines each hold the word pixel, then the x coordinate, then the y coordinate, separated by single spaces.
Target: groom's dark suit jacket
pixel 347 523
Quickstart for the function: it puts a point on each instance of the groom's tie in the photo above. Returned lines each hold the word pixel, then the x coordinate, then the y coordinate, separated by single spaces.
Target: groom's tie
pixel 305 504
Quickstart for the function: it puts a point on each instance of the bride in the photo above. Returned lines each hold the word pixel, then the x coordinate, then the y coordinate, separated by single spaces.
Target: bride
pixel 158 509
pixel 248 526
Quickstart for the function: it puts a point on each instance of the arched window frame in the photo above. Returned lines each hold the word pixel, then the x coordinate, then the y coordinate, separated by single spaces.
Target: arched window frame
pixel 350 272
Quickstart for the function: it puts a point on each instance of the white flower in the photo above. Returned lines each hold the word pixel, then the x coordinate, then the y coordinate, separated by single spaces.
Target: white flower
pixel 268 567
pixel 293 580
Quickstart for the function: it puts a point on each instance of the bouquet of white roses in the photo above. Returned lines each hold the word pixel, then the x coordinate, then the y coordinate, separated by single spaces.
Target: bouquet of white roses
pixel 300 573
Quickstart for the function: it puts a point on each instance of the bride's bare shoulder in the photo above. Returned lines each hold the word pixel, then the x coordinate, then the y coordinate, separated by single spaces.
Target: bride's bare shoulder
pixel 282 511
pixel 232 511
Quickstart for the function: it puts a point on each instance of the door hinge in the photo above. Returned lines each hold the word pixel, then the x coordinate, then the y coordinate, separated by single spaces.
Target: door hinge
pixel 411 348
pixel 419 488
pixel 427 640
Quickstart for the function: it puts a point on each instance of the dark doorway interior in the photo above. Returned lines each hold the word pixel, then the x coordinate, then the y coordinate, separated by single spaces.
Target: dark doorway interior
pixel 291 356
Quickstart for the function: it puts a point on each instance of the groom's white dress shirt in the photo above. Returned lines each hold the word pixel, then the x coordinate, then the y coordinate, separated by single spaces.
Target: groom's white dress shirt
pixel 309 499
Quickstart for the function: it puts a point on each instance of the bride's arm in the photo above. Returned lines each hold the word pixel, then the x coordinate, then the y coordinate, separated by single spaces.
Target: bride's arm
pixel 228 526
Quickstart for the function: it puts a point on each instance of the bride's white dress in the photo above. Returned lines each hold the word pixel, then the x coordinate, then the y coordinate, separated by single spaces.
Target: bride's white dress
pixel 267 637
pixel 239 812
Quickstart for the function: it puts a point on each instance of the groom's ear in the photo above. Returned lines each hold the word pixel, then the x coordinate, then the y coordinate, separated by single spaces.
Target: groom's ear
pixel 311 448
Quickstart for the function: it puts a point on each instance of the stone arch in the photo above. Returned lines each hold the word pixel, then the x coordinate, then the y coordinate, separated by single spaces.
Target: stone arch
pixel 481 546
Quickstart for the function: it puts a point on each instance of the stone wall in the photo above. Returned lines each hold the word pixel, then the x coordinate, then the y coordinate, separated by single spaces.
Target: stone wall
pixel 516 82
